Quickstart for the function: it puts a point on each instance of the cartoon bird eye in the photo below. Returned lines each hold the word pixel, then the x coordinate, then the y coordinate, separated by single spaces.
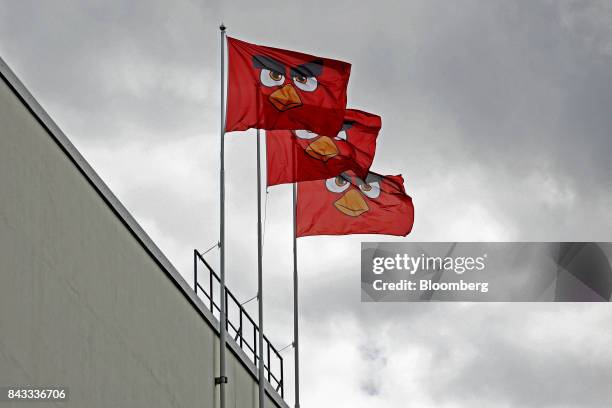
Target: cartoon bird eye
pixel 305 134
pixel 271 78
pixel 341 135
pixel 337 184
pixel 371 189
pixel 307 84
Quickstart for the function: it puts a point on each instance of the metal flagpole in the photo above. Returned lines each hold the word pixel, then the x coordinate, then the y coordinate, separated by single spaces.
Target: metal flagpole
pixel 260 278
pixel 296 344
pixel 222 379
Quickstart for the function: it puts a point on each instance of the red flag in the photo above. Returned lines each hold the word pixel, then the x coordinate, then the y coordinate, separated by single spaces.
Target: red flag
pixel 300 155
pixel 269 88
pixel 347 204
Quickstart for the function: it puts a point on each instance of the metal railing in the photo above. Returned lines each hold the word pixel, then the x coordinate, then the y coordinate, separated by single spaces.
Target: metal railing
pixel 239 323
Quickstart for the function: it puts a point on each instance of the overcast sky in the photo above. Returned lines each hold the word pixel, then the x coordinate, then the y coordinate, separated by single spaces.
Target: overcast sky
pixel 497 113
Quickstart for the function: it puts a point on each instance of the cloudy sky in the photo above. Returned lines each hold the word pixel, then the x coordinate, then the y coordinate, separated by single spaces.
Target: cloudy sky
pixel 497 113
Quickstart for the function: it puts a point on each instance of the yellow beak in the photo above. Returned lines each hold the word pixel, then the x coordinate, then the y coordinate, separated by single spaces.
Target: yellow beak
pixel 352 204
pixel 323 149
pixel 285 98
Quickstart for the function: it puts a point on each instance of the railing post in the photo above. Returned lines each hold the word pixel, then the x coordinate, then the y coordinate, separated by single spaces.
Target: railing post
pixel 241 312
pixel 255 345
pixel 226 311
pixel 282 378
pixel 195 271
pixel 210 288
pixel 268 341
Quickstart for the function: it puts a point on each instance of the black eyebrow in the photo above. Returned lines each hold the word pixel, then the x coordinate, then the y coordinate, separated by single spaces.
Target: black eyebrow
pixel 345 177
pixel 372 178
pixel 347 125
pixel 308 70
pixel 265 62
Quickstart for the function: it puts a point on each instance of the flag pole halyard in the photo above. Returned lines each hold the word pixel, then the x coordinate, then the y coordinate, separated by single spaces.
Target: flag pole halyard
pixel 222 379
pixel 296 344
pixel 260 277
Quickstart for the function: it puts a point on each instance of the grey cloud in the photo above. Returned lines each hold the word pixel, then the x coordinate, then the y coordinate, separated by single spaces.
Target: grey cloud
pixel 497 114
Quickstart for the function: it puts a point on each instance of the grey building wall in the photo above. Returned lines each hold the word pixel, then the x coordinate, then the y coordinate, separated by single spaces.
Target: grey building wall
pixel 86 300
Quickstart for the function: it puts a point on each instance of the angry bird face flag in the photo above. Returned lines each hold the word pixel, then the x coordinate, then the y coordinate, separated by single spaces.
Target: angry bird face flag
pixel 347 204
pixel 269 88
pixel 301 155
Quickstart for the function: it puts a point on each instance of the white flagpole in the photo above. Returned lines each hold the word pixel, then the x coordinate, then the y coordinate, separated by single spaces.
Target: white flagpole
pixel 222 379
pixel 260 278
pixel 296 347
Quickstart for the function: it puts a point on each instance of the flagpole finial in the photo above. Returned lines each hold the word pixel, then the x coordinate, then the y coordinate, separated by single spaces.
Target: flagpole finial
pixel 222 27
